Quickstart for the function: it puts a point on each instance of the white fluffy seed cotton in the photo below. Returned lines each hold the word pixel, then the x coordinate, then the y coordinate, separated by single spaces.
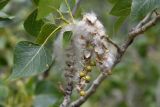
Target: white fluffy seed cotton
pixel 91 30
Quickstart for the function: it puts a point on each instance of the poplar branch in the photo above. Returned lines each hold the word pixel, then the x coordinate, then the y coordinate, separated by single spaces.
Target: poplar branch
pixel 144 25
pixel 138 30
pixel 96 83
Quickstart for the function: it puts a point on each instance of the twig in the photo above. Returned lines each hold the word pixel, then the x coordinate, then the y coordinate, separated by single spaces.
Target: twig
pixel 76 7
pixel 136 32
pixel 68 92
pixel 114 44
pixel 69 87
pixel 145 20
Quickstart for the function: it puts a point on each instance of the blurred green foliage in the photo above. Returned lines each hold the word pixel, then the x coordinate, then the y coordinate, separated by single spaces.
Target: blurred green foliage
pixel 135 81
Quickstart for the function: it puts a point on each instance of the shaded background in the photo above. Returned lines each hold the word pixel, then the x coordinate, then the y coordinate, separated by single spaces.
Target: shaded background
pixel 135 81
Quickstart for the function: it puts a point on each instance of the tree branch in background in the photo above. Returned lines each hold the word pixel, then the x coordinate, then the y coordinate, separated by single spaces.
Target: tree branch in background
pixel 145 24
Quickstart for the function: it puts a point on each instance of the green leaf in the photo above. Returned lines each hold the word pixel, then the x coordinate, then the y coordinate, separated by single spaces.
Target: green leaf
pixel 141 7
pixel 112 1
pixel 5 17
pixel 121 8
pixel 119 22
pixel 46 6
pixel 47 87
pixel 3 42
pixel 30 59
pixel 63 7
pixel 35 2
pixel 44 101
pixel 45 32
pixel 31 25
pixel 3 3
pixel 67 37
pixel 4 92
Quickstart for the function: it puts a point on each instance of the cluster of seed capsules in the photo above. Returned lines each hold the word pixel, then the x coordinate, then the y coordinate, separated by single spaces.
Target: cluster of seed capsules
pixel 91 59
pixel 85 78
pixel 88 63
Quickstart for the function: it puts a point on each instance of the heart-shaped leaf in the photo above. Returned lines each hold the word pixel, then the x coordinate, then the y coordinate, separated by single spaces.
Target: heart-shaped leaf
pixel 30 59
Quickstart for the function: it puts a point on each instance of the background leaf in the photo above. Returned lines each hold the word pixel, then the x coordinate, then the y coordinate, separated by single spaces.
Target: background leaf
pixel 5 17
pixel 4 92
pixel 119 22
pixel 45 7
pixel 35 2
pixel 121 8
pixel 30 59
pixel 3 3
pixel 67 36
pixel 48 87
pixel 44 101
pixel 63 7
pixel 47 29
pixel 31 25
pixel 141 7
pixel 112 1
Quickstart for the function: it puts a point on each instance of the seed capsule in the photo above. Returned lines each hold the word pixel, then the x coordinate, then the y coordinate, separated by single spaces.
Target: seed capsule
pixel 109 72
pixel 87 78
pixel 89 68
pixel 82 93
pixel 93 63
pixel 82 74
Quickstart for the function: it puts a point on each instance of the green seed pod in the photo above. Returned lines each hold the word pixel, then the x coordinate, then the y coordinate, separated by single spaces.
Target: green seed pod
pixel 93 63
pixel 87 78
pixel 89 68
pixel 82 74
pixel 82 93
